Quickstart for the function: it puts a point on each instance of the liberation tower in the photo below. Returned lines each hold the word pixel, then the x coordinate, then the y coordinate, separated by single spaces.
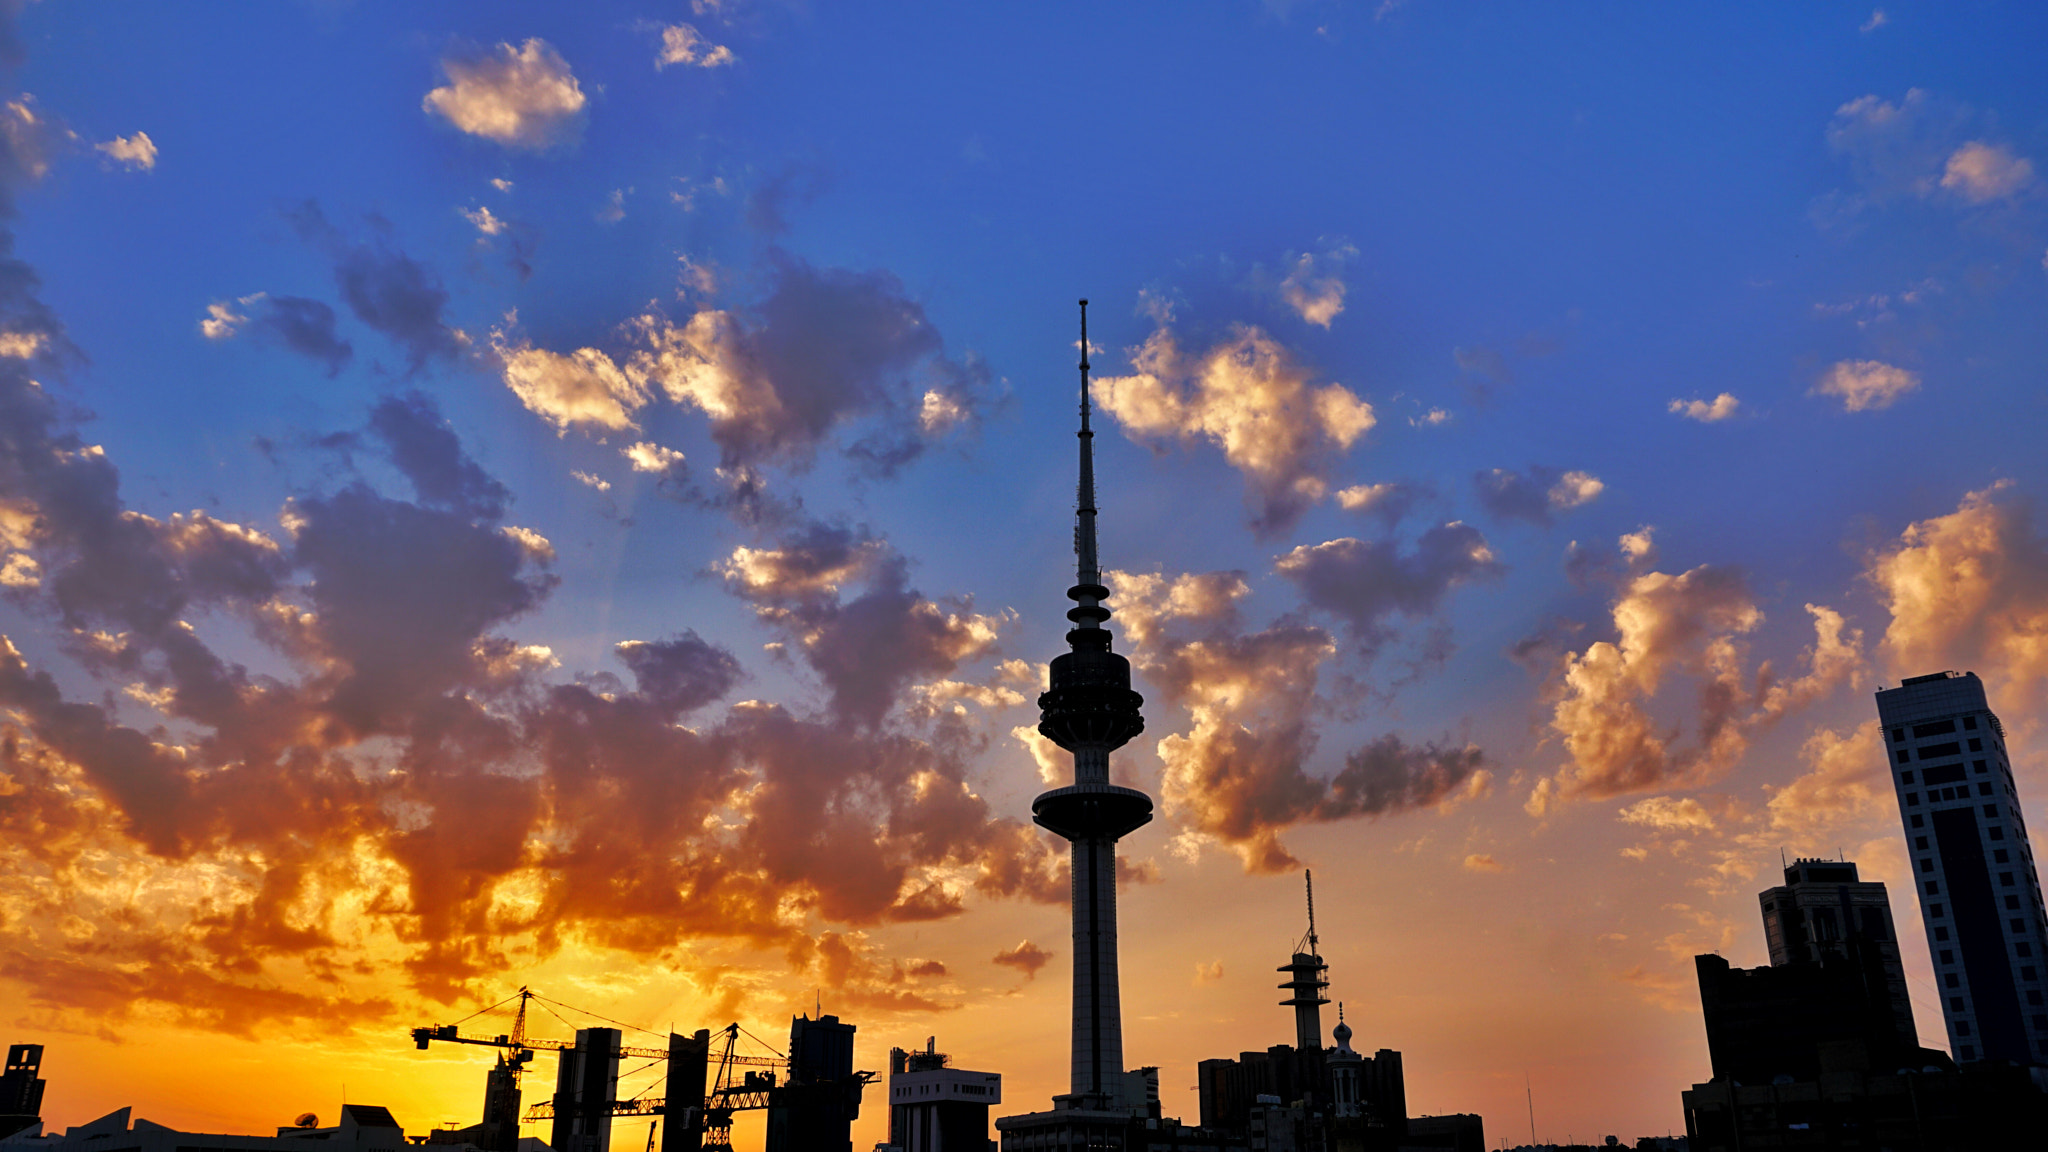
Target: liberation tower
pixel 1090 710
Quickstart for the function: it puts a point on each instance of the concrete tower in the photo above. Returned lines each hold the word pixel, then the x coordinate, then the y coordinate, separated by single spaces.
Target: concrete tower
pixel 1979 895
pixel 1306 980
pixel 1090 711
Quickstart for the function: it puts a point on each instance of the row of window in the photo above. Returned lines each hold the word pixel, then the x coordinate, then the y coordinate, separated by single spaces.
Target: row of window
pixel 1940 751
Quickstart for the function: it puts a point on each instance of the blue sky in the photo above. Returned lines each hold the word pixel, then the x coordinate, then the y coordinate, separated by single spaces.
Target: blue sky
pixel 1675 332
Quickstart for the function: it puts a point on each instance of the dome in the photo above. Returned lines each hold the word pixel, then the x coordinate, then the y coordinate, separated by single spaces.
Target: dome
pixel 1341 1034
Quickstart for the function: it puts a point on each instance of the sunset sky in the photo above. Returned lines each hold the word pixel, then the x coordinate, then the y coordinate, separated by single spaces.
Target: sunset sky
pixel 581 496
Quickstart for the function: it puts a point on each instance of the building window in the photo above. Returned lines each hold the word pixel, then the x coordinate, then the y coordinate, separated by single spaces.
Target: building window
pixel 1997 833
pixel 2012 903
pixel 1980 766
pixel 1991 809
pixel 1970 722
pixel 1918 822
pixel 1940 934
pixel 1927 863
pixel 1898 735
pixel 1947 957
pixel 2005 879
pixel 1955 1003
pixel 2034 998
pixel 1920 842
pixel 1913 799
pixel 1934 910
pixel 1976 745
pixel 2019 925
pixel 1951 980
pixel 1969 1052
pixel 2001 856
pixel 1962 1027
pixel 1984 788
pixel 2024 948
pixel 1933 888
pixel 1905 757
pixel 2027 973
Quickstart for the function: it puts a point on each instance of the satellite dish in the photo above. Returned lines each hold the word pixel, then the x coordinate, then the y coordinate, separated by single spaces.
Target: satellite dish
pixel 306 1120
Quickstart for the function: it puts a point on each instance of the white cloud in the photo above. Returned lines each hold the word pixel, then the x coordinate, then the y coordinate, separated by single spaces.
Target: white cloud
pixel 485 222
pixel 1877 20
pixel 1722 407
pixel 594 481
pixel 501 184
pixel 583 387
pixel 1866 385
pixel 1313 287
pixel 521 97
pixel 647 456
pixel 21 345
pixel 222 321
pixel 1575 489
pixel 137 151
pixel 614 209
pixel 1431 418
pixel 1981 172
pixel 682 44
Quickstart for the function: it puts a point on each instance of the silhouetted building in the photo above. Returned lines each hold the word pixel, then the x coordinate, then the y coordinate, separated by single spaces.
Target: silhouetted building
pixel 1982 1107
pixel 1089 710
pixel 935 1108
pixel 1820 909
pixel 815 1109
pixel 21 1089
pixel 1458 1132
pixel 1979 895
pixel 688 1066
pixel 586 1085
pixel 363 1128
pixel 1764 1023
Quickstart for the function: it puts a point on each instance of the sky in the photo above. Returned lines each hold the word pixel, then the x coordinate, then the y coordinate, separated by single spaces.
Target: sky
pixel 580 496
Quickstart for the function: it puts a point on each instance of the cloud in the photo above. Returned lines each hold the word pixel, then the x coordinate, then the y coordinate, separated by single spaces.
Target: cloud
pixel 302 325
pixel 827 348
pixel 867 649
pixel 1896 150
pixel 1390 501
pixel 1968 589
pixel 1846 779
pixel 584 388
pixel 1208 973
pixel 521 97
pixel 1252 398
pixel 484 221
pixel 1981 172
pixel 1722 407
pixel 1026 957
pixel 1866 385
pixel 1485 361
pixel 683 673
pixel 1510 495
pixel 1669 814
pixel 1314 286
pixel 647 456
pixel 1239 773
pixel 426 451
pixel 1877 20
pixel 134 152
pixel 1691 625
pixel 29 143
pixel 1482 862
pixel 683 44
pixel 1365 583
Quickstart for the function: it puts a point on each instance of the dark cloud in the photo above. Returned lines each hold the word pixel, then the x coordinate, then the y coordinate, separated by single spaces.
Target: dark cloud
pixel 426 450
pixel 768 204
pixel 682 674
pixel 1364 583
pixel 1533 496
pixel 866 648
pixel 1026 957
pixel 385 288
pixel 304 326
pixel 826 348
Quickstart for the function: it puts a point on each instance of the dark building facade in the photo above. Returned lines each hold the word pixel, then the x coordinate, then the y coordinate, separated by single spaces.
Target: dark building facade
pixel 21 1089
pixel 1824 909
pixel 586 1084
pixel 1980 897
pixel 1763 1023
pixel 815 1109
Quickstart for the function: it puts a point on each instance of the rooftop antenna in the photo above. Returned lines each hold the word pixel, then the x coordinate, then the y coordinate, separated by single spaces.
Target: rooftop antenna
pixel 1531 1094
pixel 1308 879
pixel 1088 571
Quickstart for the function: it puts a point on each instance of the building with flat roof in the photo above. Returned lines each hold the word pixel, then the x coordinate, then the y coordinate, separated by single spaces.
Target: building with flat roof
pixel 937 1108
pixel 1823 909
pixel 1980 897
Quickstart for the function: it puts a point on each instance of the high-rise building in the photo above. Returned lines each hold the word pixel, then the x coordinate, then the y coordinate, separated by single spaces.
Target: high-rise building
pixel 21 1089
pixel 1979 896
pixel 1090 711
pixel 586 1085
pixel 1823 910
pixel 936 1108
pixel 815 1110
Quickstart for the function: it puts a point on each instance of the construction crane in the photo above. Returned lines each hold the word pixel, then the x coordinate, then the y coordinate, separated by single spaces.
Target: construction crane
pixel 521 1046
pixel 737 1089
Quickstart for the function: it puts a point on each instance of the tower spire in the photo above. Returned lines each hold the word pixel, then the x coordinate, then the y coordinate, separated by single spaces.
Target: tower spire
pixel 1087 592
